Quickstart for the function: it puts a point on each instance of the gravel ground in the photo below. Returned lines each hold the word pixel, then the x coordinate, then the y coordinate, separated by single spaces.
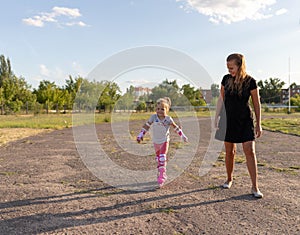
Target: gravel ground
pixel 47 188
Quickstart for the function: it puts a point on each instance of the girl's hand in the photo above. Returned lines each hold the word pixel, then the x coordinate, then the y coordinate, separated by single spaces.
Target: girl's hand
pixel 258 131
pixel 140 136
pixel 181 134
pixel 139 139
pixel 185 139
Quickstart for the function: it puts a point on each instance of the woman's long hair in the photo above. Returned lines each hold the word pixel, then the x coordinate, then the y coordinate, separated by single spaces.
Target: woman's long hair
pixel 237 83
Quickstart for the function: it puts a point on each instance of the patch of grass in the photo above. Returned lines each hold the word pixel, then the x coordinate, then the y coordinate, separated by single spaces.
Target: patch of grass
pixel 283 125
pixel 64 182
pixel 59 121
pixel 153 206
pixel 168 210
pixel 295 167
pixel 213 187
pixel 50 121
pixel 239 159
pixel 195 177
pixel 279 169
pixel 107 119
pixel 221 157
pixel 82 191
pixel 98 192
pixel 7 173
pixel 283 170
pixel 218 164
pixel 261 164
pixel 12 134
pixel 220 161
pixel 177 145
pixel 113 149
pixel 95 192
pixel 289 125
pixel 101 194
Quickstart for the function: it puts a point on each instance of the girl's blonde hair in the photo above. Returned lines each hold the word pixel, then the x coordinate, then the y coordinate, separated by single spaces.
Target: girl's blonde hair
pixel 166 102
pixel 241 75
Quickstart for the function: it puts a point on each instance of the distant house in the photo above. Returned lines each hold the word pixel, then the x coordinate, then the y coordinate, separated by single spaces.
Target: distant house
pixel 295 89
pixel 140 91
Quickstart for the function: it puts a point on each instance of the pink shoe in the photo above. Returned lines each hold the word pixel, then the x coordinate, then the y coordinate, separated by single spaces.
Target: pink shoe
pixel 162 176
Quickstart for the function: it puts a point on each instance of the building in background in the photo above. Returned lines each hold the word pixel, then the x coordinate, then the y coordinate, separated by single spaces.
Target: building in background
pixel 140 91
pixel 295 89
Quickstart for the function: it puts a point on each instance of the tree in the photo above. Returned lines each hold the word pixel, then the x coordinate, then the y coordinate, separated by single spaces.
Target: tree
pixel 126 101
pixel 5 69
pixel 193 96
pixel 215 90
pixel 270 90
pixel 46 94
pixel 188 92
pixel 109 95
pixel 88 95
pixel 166 88
pixel 295 101
pixel 71 89
pixel 14 91
pixel 141 106
pixel 14 94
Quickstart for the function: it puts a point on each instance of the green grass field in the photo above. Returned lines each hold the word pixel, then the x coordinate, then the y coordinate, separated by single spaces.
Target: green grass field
pixel 59 121
pixel 285 123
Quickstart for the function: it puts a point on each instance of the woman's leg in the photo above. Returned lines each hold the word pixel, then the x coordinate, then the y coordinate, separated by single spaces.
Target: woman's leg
pixel 249 150
pixel 230 149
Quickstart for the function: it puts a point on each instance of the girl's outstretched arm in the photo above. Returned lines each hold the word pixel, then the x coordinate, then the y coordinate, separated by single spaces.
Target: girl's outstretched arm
pixel 180 132
pixel 144 130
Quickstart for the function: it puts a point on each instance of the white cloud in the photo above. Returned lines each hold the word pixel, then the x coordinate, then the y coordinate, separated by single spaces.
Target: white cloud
pixel 71 12
pixel 231 11
pixel 44 71
pixel 281 11
pixel 34 22
pixel 59 15
pixel 79 23
pixel 57 74
pixel 139 81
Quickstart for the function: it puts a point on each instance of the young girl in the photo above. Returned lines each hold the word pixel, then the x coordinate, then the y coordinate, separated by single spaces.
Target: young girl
pixel 234 118
pixel 161 135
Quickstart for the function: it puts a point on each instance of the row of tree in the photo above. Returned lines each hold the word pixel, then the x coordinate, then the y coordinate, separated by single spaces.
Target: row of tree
pixel 81 94
pixel 186 95
pixel 270 90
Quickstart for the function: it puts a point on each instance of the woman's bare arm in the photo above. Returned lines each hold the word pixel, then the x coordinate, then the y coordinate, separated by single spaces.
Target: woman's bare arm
pixel 257 110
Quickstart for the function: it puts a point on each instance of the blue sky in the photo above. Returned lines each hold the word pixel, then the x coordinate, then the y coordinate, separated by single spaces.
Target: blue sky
pixel 52 39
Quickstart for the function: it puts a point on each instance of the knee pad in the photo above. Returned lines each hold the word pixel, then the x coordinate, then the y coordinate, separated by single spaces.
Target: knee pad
pixel 162 160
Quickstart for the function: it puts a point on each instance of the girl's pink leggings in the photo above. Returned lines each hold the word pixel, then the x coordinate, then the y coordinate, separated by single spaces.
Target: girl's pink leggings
pixel 161 151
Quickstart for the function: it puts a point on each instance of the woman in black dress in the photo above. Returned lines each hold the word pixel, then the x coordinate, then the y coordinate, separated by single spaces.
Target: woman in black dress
pixel 234 119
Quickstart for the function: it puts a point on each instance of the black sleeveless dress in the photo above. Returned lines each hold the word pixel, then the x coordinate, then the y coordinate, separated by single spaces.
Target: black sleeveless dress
pixel 236 117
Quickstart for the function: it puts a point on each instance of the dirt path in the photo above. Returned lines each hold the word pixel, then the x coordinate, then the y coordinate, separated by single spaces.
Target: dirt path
pixel 46 189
